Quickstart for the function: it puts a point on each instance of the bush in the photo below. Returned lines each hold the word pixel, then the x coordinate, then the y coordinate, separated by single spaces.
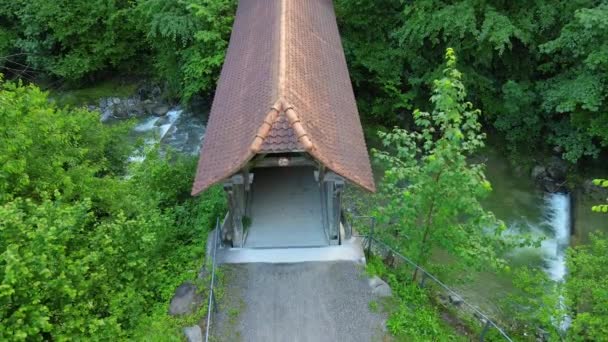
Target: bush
pixel 189 39
pixel 86 253
pixel 72 39
pixel 412 316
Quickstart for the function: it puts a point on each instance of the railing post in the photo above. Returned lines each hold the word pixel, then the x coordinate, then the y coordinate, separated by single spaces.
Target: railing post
pixel 423 279
pixel 215 308
pixel 212 302
pixel 371 237
pixel 487 323
pixel 482 336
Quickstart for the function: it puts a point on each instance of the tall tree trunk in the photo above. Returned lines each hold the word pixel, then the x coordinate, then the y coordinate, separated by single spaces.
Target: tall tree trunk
pixel 427 229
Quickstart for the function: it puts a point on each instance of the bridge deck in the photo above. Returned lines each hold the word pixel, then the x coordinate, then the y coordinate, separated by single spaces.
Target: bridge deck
pixel 285 209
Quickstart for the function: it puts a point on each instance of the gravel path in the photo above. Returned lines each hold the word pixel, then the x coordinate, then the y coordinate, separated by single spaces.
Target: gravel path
pixel 315 301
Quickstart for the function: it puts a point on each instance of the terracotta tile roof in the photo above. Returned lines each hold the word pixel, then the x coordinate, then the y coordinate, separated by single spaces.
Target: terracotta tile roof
pixel 284 87
pixel 281 138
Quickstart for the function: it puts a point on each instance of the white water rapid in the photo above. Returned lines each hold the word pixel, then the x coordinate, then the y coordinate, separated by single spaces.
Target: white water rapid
pixel 153 130
pixel 557 217
pixel 557 220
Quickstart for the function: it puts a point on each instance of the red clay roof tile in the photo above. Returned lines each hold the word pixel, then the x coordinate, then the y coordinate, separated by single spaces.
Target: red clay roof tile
pixel 286 55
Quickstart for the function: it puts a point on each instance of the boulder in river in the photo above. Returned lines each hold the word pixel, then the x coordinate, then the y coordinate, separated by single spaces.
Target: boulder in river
pixel 538 172
pixel 160 109
pixel 120 108
pixel 149 91
pixel 550 185
pixel 594 192
pixel 557 169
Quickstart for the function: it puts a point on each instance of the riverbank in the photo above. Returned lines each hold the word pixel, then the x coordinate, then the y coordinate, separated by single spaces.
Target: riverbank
pixel 527 207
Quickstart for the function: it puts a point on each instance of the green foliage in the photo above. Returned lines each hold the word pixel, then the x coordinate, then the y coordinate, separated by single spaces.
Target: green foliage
pixel 6 44
pixel 537 68
pixel 374 68
pixel 578 87
pixel 86 253
pixel 190 39
pixel 412 316
pixel 415 319
pixel 430 193
pixel 185 41
pixel 600 208
pixel 587 290
pixel 539 304
pixel 90 95
pixel 47 148
pixel 72 39
pixel 534 304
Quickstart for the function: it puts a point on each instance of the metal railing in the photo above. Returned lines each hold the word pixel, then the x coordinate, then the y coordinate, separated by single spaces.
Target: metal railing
pixel 212 300
pixel 370 239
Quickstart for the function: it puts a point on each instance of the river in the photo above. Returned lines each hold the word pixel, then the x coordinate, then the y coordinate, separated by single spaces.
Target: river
pixel 524 208
pixel 516 200
pixel 180 130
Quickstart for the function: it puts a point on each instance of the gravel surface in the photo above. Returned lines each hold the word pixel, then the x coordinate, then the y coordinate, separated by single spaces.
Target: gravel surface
pixel 313 301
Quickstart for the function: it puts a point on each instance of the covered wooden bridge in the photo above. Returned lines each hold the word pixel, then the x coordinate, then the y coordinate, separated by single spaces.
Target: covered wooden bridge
pixel 284 133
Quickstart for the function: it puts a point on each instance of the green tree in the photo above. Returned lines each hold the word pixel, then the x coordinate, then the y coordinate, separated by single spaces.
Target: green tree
pixel 190 39
pixel 72 39
pixel 587 290
pixel 375 65
pixel 430 193
pixel 534 305
pixel 47 148
pixel 575 94
pixel 534 67
pixel 601 207
pixel 85 252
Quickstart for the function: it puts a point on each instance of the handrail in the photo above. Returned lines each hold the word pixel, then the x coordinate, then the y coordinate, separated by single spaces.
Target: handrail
pixel 488 322
pixel 212 284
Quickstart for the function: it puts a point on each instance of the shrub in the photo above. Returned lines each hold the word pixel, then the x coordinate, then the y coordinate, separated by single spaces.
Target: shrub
pixel 86 253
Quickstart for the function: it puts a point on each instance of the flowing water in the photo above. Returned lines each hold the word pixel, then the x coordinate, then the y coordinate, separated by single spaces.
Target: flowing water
pixel 555 217
pixel 179 130
pixel 549 220
pixel 516 200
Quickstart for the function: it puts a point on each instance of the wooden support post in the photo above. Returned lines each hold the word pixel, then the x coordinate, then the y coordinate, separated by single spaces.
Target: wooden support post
pixel 235 189
pixel 332 185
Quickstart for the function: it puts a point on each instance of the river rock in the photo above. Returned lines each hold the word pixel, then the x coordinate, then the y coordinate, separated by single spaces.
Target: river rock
pixel 379 287
pixel 149 91
pixel 193 334
pixel 455 300
pixel 105 116
pixel 160 109
pixel 558 150
pixel 120 108
pixel 538 171
pixel 557 169
pixel 594 192
pixel 550 185
pixel 185 300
